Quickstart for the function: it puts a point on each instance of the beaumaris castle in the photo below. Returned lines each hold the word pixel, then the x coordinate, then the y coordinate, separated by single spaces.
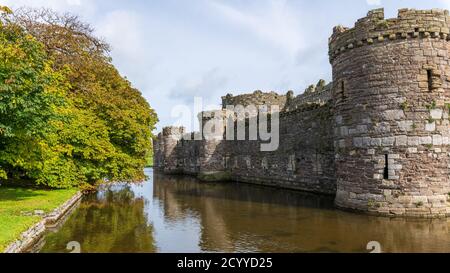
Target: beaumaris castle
pixel 377 137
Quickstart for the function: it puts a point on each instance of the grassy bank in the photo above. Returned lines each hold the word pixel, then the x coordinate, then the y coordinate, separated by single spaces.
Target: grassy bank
pixel 14 202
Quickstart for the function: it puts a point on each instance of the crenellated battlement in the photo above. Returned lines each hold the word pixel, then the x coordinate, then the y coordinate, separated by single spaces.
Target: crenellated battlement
pixel 213 114
pixel 318 94
pixel 173 131
pixel 314 94
pixel 374 29
pixel 256 98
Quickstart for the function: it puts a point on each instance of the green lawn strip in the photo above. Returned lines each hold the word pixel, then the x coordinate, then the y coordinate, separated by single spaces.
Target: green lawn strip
pixel 14 201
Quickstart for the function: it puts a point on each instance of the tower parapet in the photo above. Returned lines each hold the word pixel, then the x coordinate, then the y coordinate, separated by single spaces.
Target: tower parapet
pixel 375 29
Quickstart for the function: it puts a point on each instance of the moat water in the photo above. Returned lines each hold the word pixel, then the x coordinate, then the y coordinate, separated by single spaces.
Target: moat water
pixel 181 214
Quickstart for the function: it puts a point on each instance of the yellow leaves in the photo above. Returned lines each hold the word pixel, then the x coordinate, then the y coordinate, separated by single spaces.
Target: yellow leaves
pixel 10 52
pixel 3 174
pixel 6 10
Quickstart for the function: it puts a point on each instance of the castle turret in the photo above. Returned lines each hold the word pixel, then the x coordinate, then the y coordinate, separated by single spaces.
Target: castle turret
pixel 166 154
pixel 158 158
pixel 390 91
pixel 212 151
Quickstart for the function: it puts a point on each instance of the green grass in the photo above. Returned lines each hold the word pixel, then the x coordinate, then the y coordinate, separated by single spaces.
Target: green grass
pixel 14 201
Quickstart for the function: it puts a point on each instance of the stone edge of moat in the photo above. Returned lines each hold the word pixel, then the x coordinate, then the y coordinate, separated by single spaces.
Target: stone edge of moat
pixel 34 233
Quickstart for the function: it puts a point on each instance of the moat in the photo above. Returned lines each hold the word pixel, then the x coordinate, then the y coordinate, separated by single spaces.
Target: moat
pixel 181 214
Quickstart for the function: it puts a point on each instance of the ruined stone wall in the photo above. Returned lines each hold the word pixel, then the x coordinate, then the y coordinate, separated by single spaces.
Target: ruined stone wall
pixel 188 152
pixel 256 98
pixel 178 152
pixel 212 147
pixel 391 89
pixel 317 95
pixel 158 156
pixel 166 150
pixel 303 161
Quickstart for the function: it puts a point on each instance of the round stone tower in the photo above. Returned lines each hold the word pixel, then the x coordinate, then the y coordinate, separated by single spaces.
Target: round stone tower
pixel 167 152
pixel 212 151
pixel 391 87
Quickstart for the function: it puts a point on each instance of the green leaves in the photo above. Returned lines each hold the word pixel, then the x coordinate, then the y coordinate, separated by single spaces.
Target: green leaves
pixel 67 117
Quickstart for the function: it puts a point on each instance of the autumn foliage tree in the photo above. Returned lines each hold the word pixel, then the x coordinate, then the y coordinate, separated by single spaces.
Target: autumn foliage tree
pixel 67 116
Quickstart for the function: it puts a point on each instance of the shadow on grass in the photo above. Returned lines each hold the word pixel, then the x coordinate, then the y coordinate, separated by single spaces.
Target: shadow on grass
pixel 17 194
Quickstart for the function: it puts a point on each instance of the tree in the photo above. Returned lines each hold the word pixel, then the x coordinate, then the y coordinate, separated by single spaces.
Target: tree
pixel 31 95
pixel 67 115
pixel 97 86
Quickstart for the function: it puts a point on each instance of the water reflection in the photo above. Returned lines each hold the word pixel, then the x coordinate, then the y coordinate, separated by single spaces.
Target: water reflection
pixel 111 221
pixel 180 214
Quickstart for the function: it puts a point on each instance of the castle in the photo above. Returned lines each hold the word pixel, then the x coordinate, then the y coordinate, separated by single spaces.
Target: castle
pixel 377 137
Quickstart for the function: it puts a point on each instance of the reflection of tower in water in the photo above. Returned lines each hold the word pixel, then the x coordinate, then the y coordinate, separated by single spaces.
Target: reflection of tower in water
pixel 238 217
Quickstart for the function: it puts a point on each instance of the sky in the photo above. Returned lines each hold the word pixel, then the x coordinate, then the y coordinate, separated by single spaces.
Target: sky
pixel 175 50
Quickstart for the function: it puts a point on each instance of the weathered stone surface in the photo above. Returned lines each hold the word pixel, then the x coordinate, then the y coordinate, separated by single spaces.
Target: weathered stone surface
pixel 403 84
pixel 406 125
pixel 437 140
pixel 425 140
pixel 393 115
pixel 401 140
pixel 430 127
pixel 436 113
pixel 39 212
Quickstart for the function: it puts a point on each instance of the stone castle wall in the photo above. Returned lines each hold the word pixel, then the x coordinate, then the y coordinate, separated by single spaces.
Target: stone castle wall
pixel 377 137
pixel 303 161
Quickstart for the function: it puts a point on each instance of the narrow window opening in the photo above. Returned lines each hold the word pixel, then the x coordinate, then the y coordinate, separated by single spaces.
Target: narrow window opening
pixel 430 79
pixel 386 167
pixel 343 90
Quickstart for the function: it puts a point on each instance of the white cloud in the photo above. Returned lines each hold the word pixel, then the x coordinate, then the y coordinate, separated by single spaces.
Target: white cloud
pixel 270 20
pixel 446 3
pixel 81 7
pixel 74 2
pixel 55 4
pixel 211 83
pixel 122 30
pixel 373 2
